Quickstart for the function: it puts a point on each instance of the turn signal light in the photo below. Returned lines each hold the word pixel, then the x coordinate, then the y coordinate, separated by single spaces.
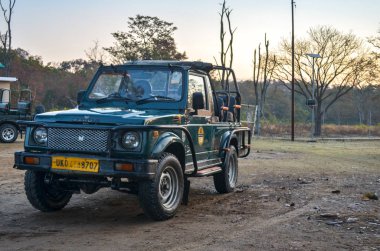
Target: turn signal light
pixel 124 167
pixel 32 160
pixel 178 119
pixel 156 134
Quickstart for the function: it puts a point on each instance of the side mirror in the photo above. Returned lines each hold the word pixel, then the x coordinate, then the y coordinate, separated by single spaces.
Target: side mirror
pixel 198 101
pixel 80 96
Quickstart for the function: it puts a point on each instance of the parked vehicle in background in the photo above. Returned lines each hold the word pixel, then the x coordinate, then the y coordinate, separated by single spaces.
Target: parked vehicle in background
pixel 144 127
pixel 9 114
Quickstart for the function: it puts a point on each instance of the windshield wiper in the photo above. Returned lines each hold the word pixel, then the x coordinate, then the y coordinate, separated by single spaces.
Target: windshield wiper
pixel 154 98
pixel 113 96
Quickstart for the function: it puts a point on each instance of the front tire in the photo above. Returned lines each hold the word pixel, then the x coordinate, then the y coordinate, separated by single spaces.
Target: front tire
pixel 42 196
pixel 225 182
pixel 161 197
pixel 8 133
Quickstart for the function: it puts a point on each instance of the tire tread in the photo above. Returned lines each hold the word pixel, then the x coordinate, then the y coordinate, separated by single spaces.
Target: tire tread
pixel 221 182
pixel 8 125
pixel 148 195
pixel 35 194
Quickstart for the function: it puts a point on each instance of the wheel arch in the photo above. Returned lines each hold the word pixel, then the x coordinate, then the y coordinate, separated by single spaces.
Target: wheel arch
pixel 227 140
pixel 178 150
pixel 170 142
pixel 3 122
pixel 234 141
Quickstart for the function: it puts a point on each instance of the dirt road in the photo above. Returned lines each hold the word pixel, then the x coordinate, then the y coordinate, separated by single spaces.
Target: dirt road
pixel 292 196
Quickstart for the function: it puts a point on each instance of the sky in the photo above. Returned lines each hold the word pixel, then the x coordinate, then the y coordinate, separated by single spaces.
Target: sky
pixel 60 30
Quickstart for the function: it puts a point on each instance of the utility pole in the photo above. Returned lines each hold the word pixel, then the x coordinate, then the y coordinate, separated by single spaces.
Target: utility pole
pixel 293 3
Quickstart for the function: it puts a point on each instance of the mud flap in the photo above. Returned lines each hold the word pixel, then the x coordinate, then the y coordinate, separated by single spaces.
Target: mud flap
pixel 186 191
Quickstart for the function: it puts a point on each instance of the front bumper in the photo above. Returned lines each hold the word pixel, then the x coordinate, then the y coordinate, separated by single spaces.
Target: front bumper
pixel 143 169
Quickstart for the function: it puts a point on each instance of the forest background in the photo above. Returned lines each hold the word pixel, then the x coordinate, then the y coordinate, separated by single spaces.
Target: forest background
pixel 55 85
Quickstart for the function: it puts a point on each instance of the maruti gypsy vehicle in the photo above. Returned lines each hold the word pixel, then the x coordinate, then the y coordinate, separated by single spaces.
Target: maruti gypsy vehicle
pixel 144 127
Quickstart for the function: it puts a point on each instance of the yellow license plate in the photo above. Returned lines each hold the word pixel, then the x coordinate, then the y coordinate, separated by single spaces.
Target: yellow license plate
pixel 75 164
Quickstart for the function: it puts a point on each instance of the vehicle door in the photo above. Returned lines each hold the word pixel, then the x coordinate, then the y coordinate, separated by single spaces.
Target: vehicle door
pixel 198 122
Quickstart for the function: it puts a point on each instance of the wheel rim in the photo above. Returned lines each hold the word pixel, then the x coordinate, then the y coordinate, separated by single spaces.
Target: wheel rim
pixel 232 172
pixel 8 134
pixel 169 188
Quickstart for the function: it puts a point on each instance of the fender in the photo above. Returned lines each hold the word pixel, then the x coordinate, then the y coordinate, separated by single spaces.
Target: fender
pixel 225 141
pixel 10 122
pixel 163 142
pixel 231 136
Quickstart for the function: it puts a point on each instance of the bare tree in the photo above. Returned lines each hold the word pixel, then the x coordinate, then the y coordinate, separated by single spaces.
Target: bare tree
pixel 375 40
pixel 363 100
pixel 226 47
pixel 96 54
pixel 364 92
pixel 262 75
pixel 343 65
pixel 6 37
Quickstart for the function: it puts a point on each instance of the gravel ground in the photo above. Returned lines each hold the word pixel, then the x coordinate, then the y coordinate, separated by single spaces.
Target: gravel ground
pixel 291 196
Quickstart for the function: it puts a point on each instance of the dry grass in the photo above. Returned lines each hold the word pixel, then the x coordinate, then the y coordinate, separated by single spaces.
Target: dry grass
pixel 329 130
pixel 318 157
pixel 355 130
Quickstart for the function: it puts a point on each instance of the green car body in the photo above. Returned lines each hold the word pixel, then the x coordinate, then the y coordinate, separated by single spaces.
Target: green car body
pixel 170 114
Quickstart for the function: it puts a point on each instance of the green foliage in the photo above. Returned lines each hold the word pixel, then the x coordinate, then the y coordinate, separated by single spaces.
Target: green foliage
pixel 147 38
pixel 79 66
pixel 54 86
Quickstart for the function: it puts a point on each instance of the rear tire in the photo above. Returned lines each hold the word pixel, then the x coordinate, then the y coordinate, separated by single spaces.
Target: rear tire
pixel 8 133
pixel 225 182
pixel 161 197
pixel 42 196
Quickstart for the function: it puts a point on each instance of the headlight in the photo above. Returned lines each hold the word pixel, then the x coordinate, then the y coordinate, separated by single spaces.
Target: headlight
pixel 40 135
pixel 130 140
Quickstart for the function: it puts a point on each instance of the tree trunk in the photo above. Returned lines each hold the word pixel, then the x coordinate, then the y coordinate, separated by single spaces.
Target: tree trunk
pixel 258 122
pixel 258 118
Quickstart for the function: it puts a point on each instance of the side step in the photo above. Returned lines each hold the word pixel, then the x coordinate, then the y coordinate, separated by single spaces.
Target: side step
pixel 208 171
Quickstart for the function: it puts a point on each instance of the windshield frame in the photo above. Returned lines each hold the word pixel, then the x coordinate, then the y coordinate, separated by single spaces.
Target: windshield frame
pixel 164 104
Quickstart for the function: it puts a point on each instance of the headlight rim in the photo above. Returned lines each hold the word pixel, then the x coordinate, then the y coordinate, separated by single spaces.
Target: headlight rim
pixel 41 143
pixel 131 147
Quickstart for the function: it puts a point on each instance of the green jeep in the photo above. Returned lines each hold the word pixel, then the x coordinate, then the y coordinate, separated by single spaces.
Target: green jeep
pixel 144 127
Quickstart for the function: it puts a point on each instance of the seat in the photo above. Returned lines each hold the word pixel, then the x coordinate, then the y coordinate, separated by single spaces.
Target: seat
pixel 231 109
pixel 143 88
pixel 218 109
pixel 229 112
pixel 23 107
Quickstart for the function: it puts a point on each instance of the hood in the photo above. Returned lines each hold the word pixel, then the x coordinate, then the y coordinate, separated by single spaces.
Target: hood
pixel 112 116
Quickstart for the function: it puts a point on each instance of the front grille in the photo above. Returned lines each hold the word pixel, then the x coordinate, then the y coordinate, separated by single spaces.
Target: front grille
pixel 77 139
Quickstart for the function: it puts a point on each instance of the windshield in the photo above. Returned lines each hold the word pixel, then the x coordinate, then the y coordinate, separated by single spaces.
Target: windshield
pixel 138 84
